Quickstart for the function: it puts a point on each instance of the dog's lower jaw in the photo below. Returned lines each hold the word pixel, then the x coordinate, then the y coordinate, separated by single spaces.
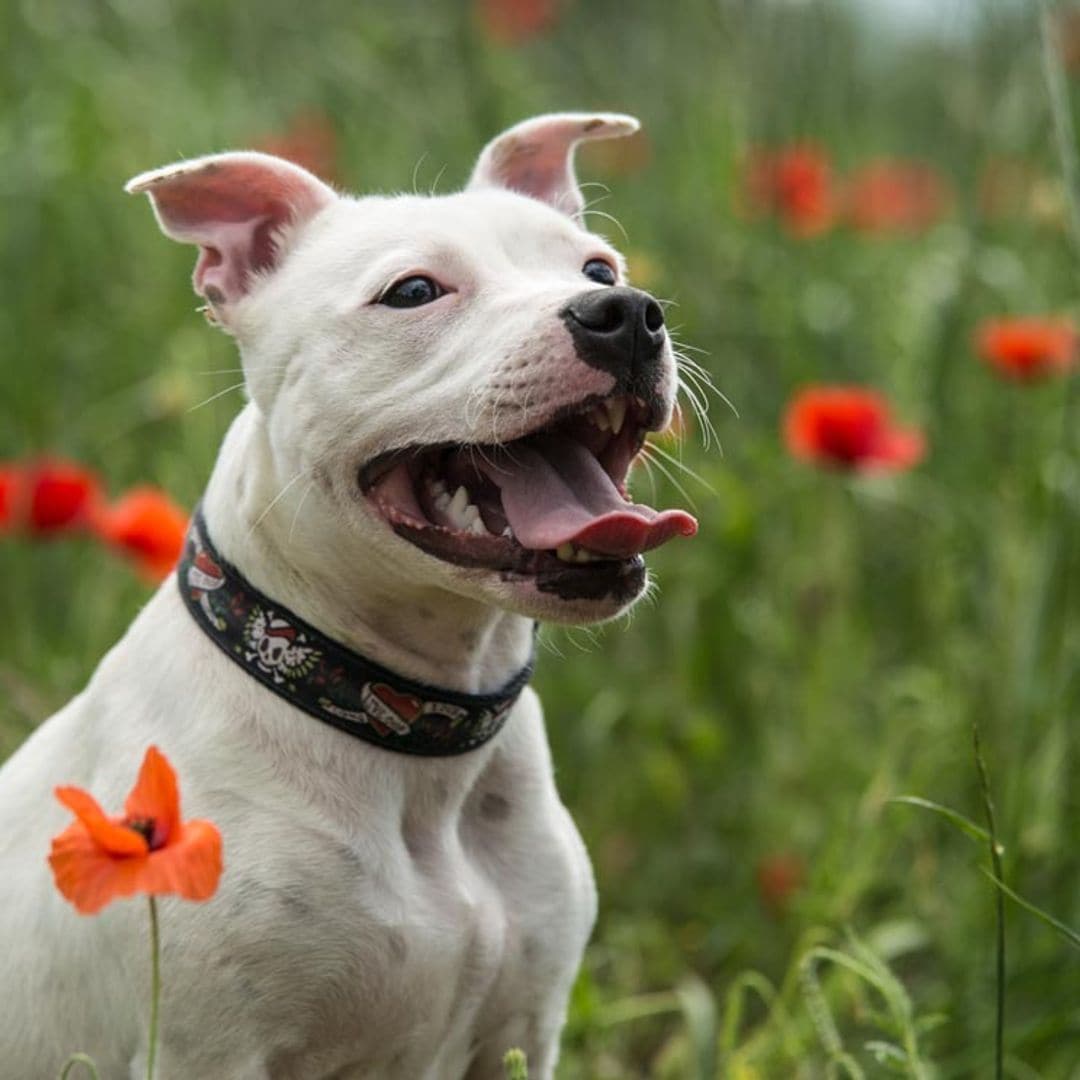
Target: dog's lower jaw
pixel 287 540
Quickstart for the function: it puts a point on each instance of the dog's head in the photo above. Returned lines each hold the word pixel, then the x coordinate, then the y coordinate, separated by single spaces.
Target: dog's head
pixel 467 376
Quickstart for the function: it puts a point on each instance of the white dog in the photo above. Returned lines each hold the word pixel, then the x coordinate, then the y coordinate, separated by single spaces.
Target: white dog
pixel 446 394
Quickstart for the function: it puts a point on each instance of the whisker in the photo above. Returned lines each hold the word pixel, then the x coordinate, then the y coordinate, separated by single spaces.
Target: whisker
pixel 214 397
pixel 610 217
pixel 296 516
pixel 668 473
pixel 701 412
pixel 678 463
pixel 274 501
pixel 416 170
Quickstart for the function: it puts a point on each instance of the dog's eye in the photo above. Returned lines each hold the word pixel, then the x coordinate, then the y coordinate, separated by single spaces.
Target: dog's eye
pixel 599 271
pixel 412 292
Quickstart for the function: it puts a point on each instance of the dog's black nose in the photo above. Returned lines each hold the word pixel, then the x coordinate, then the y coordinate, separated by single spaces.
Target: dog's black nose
pixel 620 330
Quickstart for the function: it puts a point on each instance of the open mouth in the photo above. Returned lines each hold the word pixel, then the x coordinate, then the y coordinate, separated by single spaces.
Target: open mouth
pixel 551 501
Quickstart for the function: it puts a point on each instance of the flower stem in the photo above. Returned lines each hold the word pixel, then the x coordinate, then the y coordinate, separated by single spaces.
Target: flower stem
pixel 155 988
pixel 999 912
pixel 79 1059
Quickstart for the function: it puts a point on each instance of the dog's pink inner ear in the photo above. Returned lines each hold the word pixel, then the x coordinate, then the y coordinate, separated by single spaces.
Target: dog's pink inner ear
pixel 536 157
pixel 234 206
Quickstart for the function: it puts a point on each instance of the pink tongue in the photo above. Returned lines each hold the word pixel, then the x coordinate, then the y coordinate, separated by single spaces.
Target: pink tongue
pixel 555 492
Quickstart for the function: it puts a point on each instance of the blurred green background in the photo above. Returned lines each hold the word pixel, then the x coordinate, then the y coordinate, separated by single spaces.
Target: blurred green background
pixel 826 642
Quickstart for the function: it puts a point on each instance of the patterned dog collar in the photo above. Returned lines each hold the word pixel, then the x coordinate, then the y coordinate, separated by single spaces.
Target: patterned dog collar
pixel 321 676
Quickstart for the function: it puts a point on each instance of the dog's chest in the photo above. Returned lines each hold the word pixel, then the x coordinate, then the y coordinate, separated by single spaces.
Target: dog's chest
pixel 429 926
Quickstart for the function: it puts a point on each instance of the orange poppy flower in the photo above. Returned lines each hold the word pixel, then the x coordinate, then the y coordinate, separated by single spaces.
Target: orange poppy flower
pixel 98 859
pixel 895 196
pixel 1027 348
pixel 147 525
pixel 850 428
pixel 59 496
pixel 795 184
pixel 512 22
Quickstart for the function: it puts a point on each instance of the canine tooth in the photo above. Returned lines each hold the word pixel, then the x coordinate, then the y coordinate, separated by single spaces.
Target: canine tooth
pixel 508 533
pixel 616 408
pixel 478 527
pixel 565 552
pixel 599 417
pixel 471 513
pixel 459 502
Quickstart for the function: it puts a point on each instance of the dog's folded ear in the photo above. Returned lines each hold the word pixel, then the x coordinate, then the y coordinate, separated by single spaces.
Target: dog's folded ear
pixel 536 157
pixel 238 208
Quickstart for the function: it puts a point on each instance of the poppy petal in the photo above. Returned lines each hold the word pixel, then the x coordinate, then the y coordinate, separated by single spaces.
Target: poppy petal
pixel 190 866
pixel 156 797
pixel 87 875
pixel 147 525
pixel 61 496
pixel 110 836
pixel 900 448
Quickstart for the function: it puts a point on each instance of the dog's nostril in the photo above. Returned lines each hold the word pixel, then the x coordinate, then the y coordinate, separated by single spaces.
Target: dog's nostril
pixel 604 315
pixel 654 317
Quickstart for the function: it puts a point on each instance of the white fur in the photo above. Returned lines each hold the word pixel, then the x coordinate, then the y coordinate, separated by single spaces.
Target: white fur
pixel 380 915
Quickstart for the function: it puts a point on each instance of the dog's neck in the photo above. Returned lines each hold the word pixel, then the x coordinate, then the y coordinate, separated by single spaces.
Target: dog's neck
pixel 274 529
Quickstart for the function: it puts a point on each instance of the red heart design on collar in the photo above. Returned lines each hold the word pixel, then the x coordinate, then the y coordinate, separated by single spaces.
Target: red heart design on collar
pixel 405 705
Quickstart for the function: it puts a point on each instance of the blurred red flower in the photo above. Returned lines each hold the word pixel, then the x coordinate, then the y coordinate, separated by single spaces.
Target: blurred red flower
pixel 309 141
pixel 54 496
pixel 895 196
pixel 778 877
pixel 150 850
pixel 511 22
pixel 795 184
pixel 1027 348
pixel 147 525
pixel 10 487
pixel 850 428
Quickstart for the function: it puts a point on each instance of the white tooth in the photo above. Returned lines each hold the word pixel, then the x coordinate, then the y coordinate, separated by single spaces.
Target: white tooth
pixel 508 533
pixel 459 502
pixel 565 552
pixel 616 408
pixel 442 501
pixel 599 417
pixel 471 513
pixel 478 527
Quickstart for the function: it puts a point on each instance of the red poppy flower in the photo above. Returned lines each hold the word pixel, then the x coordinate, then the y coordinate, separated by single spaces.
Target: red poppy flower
pixel 895 196
pixel 850 428
pixel 11 482
pixel 310 141
pixel 1027 348
pixel 59 496
pixel 150 850
pixel 795 184
pixel 512 22
pixel 779 876
pixel 147 525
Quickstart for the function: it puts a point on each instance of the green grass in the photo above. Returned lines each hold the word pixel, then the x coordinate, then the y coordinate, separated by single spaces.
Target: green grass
pixel 820 649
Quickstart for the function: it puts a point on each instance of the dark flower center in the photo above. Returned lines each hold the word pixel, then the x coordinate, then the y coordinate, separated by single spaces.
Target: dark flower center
pixel 145 828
